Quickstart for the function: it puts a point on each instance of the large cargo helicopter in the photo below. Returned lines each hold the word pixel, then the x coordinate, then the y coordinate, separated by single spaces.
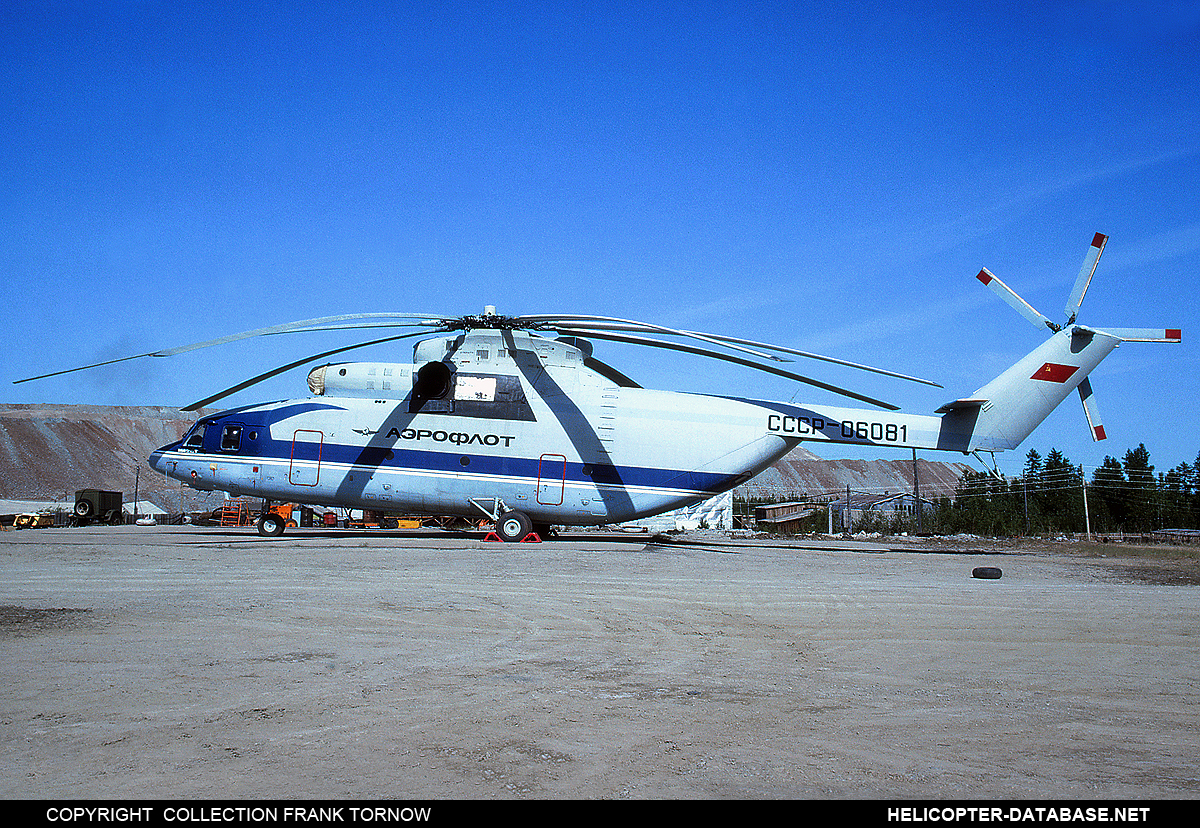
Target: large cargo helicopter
pixel 515 419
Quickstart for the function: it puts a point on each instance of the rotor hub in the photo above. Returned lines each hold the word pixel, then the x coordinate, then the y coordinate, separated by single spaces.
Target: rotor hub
pixel 488 319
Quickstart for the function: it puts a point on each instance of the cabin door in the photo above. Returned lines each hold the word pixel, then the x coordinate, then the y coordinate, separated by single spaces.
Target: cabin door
pixel 305 468
pixel 552 472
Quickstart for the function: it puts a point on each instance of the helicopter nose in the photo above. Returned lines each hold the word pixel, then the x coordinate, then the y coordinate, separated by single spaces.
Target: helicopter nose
pixel 156 460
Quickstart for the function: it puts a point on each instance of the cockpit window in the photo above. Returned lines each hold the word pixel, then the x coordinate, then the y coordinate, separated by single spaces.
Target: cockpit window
pixel 195 437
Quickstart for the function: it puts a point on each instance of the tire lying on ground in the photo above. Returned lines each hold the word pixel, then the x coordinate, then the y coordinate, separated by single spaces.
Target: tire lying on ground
pixel 986 572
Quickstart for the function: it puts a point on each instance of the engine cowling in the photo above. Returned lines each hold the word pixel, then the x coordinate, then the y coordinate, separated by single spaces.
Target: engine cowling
pixel 387 380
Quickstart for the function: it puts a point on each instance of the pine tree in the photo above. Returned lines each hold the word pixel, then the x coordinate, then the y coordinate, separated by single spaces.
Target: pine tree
pixel 1031 486
pixel 1108 482
pixel 1061 496
pixel 1142 490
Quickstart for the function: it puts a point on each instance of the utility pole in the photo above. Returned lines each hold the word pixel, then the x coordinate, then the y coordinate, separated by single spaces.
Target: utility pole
pixel 1087 521
pixel 1025 481
pixel 917 494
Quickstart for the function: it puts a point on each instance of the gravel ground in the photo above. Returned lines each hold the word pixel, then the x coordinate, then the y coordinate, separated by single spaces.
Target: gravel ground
pixel 149 662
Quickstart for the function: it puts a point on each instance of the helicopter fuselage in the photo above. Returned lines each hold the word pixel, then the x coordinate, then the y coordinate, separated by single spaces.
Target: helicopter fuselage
pixel 628 453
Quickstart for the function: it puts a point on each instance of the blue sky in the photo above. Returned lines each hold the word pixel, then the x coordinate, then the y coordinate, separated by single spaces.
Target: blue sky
pixel 825 176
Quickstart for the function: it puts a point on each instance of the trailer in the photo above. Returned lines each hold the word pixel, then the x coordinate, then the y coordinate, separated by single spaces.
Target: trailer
pixel 97 506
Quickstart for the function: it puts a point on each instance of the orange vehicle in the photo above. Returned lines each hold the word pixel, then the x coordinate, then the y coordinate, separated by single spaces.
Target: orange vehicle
pixel 285 511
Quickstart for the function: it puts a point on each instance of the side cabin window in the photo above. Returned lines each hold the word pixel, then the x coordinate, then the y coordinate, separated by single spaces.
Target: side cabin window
pixel 231 438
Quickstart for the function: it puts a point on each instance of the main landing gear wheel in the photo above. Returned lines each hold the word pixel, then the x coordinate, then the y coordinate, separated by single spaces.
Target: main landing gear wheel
pixel 271 526
pixel 512 527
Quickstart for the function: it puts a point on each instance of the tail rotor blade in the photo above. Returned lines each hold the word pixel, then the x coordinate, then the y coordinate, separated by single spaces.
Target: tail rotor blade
pixel 1090 410
pixel 1144 334
pixel 1016 302
pixel 1085 276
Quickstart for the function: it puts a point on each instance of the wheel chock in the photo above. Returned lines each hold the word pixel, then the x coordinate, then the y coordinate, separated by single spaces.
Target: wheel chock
pixel 492 537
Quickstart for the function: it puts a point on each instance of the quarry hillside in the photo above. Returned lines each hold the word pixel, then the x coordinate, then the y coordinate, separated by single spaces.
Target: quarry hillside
pixel 47 452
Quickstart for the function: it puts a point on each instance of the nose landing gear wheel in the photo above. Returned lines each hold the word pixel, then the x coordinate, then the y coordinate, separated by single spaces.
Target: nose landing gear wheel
pixel 512 527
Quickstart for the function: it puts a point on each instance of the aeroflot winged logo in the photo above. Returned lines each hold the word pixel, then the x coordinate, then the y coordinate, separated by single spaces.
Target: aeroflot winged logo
pixel 1053 372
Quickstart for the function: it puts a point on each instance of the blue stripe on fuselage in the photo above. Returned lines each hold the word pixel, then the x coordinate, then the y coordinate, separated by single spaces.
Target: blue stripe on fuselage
pixel 400 459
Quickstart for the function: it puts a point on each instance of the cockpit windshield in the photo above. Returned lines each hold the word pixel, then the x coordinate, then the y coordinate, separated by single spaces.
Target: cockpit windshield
pixel 195 438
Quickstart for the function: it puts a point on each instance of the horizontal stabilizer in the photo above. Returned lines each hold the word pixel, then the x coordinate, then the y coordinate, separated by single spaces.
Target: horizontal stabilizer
pixel 959 404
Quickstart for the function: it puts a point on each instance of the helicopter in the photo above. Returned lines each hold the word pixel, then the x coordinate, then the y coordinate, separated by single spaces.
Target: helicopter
pixel 514 419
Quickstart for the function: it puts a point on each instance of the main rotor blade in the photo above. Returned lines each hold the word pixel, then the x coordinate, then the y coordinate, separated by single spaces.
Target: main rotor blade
pixel 82 368
pixel 1085 276
pixel 610 323
pixel 303 326
pixel 609 373
pixel 582 330
pixel 325 323
pixel 283 368
pixel 1016 302
pixel 690 349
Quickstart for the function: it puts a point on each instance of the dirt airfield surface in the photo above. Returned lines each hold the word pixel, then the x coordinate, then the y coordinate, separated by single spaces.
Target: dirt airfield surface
pixel 185 662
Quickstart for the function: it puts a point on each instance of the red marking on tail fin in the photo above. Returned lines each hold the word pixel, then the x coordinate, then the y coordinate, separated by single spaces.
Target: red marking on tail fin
pixel 1054 372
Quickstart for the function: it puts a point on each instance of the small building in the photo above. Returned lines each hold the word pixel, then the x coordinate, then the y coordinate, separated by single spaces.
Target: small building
pixel 884 506
pixel 785 518
pixel 145 508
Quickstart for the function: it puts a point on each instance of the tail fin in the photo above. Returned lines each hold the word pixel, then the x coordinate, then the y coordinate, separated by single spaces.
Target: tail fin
pixel 1006 410
pixel 1010 407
